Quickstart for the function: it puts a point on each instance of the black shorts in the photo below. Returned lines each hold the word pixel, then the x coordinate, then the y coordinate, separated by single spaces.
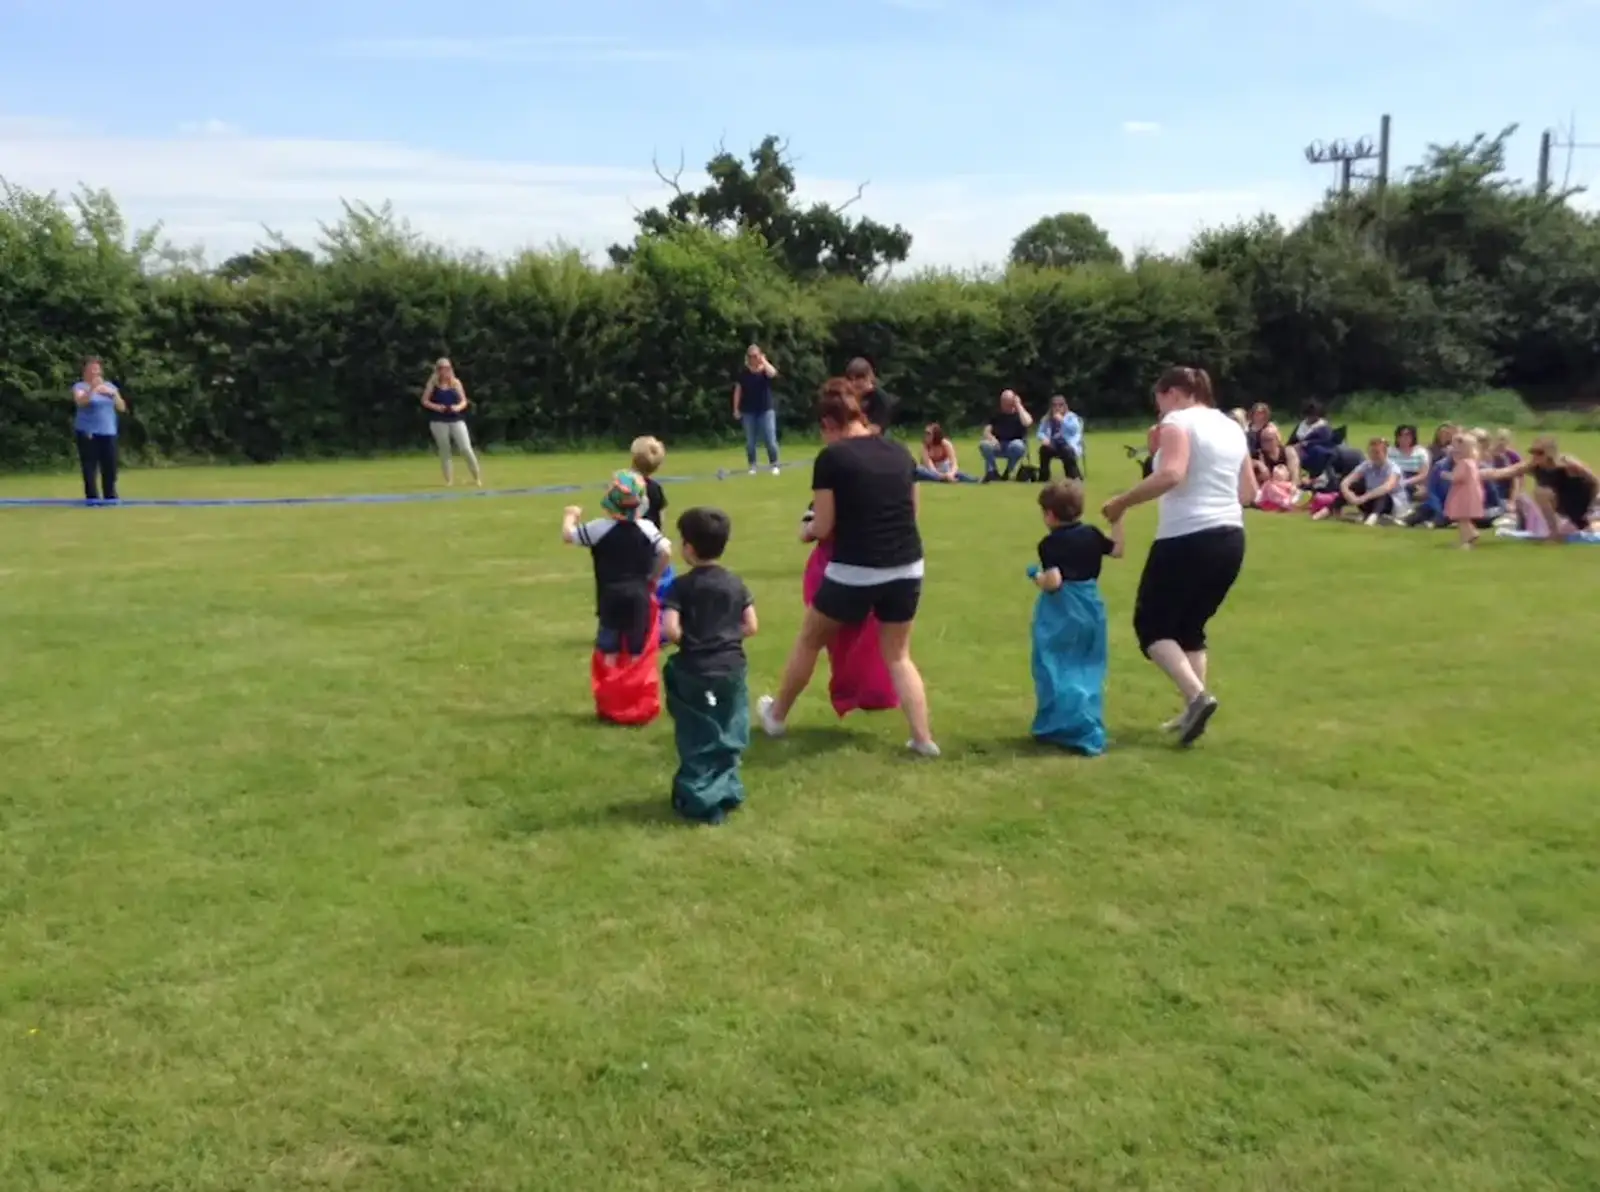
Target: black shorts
pixel 894 602
pixel 1184 583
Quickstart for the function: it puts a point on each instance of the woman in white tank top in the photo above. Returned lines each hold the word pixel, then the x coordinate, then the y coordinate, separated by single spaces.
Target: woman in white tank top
pixel 1203 481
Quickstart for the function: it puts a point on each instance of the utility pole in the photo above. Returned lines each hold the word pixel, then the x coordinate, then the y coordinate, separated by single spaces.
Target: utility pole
pixel 1344 154
pixel 1548 144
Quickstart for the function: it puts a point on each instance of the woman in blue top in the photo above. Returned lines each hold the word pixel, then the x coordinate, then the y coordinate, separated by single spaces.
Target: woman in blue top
pixel 95 428
pixel 445 399
pixel 752 405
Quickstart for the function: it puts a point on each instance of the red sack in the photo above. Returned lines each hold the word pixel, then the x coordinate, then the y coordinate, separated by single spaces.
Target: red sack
pixel 860 679
pixel 629 692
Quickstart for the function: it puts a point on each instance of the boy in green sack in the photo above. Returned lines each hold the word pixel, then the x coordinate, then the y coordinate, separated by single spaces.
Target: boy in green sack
pixel 707 614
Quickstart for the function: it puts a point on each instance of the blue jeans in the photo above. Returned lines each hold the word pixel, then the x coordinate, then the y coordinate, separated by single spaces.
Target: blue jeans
pixel 761 428
pixel 1011 452
pixel 930 476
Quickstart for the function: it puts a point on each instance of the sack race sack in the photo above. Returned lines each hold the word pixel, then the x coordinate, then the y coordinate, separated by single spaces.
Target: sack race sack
pixel 859 680
pixel 629 691
pixel 711 725
pixel 1069 668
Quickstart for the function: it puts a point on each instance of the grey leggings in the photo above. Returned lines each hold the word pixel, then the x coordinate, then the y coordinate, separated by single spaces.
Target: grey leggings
pixel 454 435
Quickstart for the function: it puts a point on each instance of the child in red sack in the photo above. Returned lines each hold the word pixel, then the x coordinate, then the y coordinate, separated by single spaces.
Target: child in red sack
pixel 629 555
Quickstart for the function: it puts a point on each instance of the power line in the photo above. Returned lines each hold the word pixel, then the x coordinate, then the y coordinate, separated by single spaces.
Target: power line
pixel 1345 154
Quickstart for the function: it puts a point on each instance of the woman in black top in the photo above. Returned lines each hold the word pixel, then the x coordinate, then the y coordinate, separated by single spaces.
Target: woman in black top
pixel 1566 488
pixel 864 494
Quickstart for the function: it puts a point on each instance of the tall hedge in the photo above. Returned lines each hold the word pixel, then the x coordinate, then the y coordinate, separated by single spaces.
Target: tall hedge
pixel 1460 280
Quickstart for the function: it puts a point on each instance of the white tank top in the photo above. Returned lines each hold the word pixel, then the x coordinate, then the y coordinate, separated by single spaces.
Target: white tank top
pixel 1209 495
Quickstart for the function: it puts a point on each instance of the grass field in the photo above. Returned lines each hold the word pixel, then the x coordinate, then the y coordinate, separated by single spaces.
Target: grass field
pixel 316 873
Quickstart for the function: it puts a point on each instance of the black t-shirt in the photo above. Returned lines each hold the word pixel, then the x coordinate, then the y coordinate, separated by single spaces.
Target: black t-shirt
pixel 624 555
pixel 711 601
pixel 755 392
pixel 1008 427
pixel 873 481
pixel 656 499
pixel 1574 494
pixel 878 406
pixel 1076 550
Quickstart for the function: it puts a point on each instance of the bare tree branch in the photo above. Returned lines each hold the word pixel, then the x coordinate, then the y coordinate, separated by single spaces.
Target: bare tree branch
pixel 852 199
pixel 672 181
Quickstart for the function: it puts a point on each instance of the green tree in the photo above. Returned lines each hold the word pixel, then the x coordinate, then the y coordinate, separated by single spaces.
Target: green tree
pixel 1062 241
pixel 809 242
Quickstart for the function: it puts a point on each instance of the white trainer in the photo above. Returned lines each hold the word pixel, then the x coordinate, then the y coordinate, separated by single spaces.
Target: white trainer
pixel 770 724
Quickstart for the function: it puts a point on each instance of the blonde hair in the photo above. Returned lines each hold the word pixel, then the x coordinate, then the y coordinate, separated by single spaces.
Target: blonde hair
pixel 1467 439
pixel 648 454
pixel 1502 437
pixel 1239 416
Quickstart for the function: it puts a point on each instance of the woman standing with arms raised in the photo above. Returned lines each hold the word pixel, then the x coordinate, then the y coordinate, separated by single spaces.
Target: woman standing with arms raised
pixel 95 428
pixel 753 406
pixel 1203 479
pixel 864 498
pixel 445 399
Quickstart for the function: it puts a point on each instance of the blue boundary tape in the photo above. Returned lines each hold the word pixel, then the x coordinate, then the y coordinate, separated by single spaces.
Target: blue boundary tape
pixel 541 490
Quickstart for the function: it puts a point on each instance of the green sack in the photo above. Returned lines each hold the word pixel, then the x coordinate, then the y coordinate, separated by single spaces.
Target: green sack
pixel 711 724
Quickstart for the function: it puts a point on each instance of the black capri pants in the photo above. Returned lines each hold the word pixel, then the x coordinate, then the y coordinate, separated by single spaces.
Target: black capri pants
pixel 1184 583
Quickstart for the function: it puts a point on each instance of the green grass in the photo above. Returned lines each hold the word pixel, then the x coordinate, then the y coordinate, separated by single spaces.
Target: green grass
pixel 315 872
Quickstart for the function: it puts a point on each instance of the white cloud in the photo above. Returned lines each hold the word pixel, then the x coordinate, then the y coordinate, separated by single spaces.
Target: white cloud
pixel 209 128
pixel 219 188
pixel 563 48
pixel 1143 128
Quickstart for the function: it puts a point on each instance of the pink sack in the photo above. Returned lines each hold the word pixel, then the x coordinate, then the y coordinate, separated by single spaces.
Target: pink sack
pixel 1322 501
pixel 860 680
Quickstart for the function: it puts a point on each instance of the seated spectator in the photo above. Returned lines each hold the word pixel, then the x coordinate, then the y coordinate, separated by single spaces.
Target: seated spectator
pixel 1565 488
pixel 1369 489
pixel 939 459
pixel 1442 438
pixel 1006 437
pixel 1430 490
pixel 1278 494
pixel 1259 419
pixel 1313 439
pixel 1271 453
pixel 1060 437
pixel 1504 454
pixel 1407 454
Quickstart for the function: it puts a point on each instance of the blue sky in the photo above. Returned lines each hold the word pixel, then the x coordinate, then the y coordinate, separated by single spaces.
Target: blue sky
pixel 498 125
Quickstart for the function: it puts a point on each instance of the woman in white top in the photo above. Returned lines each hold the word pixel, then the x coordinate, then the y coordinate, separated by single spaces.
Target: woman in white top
pixel 1204 480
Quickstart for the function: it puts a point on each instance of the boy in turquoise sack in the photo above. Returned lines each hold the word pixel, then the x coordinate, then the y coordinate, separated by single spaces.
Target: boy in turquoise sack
pixel 1069 623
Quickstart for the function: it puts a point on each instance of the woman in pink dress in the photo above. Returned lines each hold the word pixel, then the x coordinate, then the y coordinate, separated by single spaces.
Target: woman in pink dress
pixel 1464 505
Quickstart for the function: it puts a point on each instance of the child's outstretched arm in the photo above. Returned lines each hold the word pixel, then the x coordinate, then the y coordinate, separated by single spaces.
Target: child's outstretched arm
pixel 569 524
pixel 749 625
pixel 663 561
pixel 672 625
pixel 1048 581
pixel 1119 537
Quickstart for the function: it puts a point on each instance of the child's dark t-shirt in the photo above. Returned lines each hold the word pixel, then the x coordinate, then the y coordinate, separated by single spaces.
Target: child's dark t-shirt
pixel 657 501
pixel 624 555
pixel 710 602
pixel 1076 550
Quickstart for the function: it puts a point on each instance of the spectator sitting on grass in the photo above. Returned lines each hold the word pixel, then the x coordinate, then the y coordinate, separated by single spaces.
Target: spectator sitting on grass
pixel 1271 452
pixel 939 462
pixel 1370 488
